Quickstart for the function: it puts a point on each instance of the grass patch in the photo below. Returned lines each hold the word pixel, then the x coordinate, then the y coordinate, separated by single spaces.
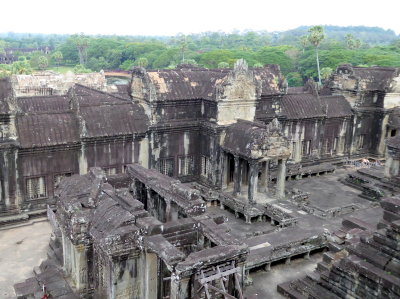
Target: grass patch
pixel 61 69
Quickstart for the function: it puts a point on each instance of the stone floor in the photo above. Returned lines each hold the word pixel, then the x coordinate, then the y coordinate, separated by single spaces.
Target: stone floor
pixel 22 248
pixel 327 192
pixel 239 228
pixel 264 283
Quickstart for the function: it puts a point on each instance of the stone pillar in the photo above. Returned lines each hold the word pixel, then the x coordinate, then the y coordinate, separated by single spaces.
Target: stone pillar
pixel 123 284
pixel 381 145
pixel 150 275
pixel 81 270
pixel 133 188
pixel 392 164
pixel 150 201
pixel 168 211
pixel 83 164
pixel 307 255
pixel 253 181
pixel 267 267
pixel 265 176
pixel 281 178
pixel 144 153
pixel 66 254
pixel 224 169
pixel 179 288
pixel 237 177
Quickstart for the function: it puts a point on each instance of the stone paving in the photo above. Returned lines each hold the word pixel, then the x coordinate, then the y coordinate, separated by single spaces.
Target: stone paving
pixel 264 283
pixel 22 248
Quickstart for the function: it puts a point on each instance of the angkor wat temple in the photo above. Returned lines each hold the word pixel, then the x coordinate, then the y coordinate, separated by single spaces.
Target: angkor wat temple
pixel 139 182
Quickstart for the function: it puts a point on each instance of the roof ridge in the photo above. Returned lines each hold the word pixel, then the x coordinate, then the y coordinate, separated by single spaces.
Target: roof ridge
pixel 102 92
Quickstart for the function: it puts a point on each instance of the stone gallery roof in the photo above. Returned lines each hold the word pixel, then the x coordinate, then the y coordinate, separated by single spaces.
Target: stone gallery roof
pixel 298 106
pixel 394 118
pixel 189 82
pixel 186 83
pixel 58 84
pixel 108 115
pixel 169 188
pixel 39 130
pixel 270 78
pixel 301 105
pixel 55 120
pixel 253 140
pixel 394 142
pixel 363 78
pixel 337 106
pixel 5 93
pixel 43 104
pixel 113 120
pixel 90 208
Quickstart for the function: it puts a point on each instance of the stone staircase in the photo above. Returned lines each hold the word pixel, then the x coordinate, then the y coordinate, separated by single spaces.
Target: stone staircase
pixel 367 266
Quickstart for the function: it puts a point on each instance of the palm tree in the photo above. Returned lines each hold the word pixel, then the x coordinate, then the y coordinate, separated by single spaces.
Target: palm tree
pixel 303 40
pixel 315 37
pixel 82 43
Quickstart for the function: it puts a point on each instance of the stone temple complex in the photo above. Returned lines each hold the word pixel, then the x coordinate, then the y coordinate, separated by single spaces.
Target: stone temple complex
pixel 185 182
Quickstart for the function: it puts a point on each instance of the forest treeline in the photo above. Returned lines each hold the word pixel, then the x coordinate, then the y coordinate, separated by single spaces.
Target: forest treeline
pixel 361 46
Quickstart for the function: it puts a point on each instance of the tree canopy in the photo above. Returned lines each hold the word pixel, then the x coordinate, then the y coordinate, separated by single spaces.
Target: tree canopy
pixel 293 50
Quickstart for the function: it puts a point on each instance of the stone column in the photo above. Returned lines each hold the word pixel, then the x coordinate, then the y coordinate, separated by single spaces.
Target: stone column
pixel 150 201
pixel 83 164
pixel 150 275
pixel 253 181
pixel 381 145
pixel 81 270
pixel 237 176
pixel 392 164
pixel 134 188
pixel 281 177
pixel 66 254
pixel 168 211
pixel 265 176
pixel 224 169
pixel 388 164
pixel 179 288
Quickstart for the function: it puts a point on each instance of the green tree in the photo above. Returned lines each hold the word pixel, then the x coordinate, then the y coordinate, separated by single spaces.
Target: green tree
pixel 22 66
pixel 82 43
pixel 5 70
pixel 80 69
pixel 69 52
pixel 223 65
pixel 43 63
pixel 127 65
pixel 258 64
pixel 294 79
pixel 191 62
pixel 97 64
pixel 142 62
pixel 57 57
pixel 212 58
pixel 183 44
pixel 315 37
pixel 276 55
pixel 351 42
pixel 326 72
pixel 303 41
pixel 2 47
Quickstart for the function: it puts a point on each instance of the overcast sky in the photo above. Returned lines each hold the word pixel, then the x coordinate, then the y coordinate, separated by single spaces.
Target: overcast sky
pixel 169 17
